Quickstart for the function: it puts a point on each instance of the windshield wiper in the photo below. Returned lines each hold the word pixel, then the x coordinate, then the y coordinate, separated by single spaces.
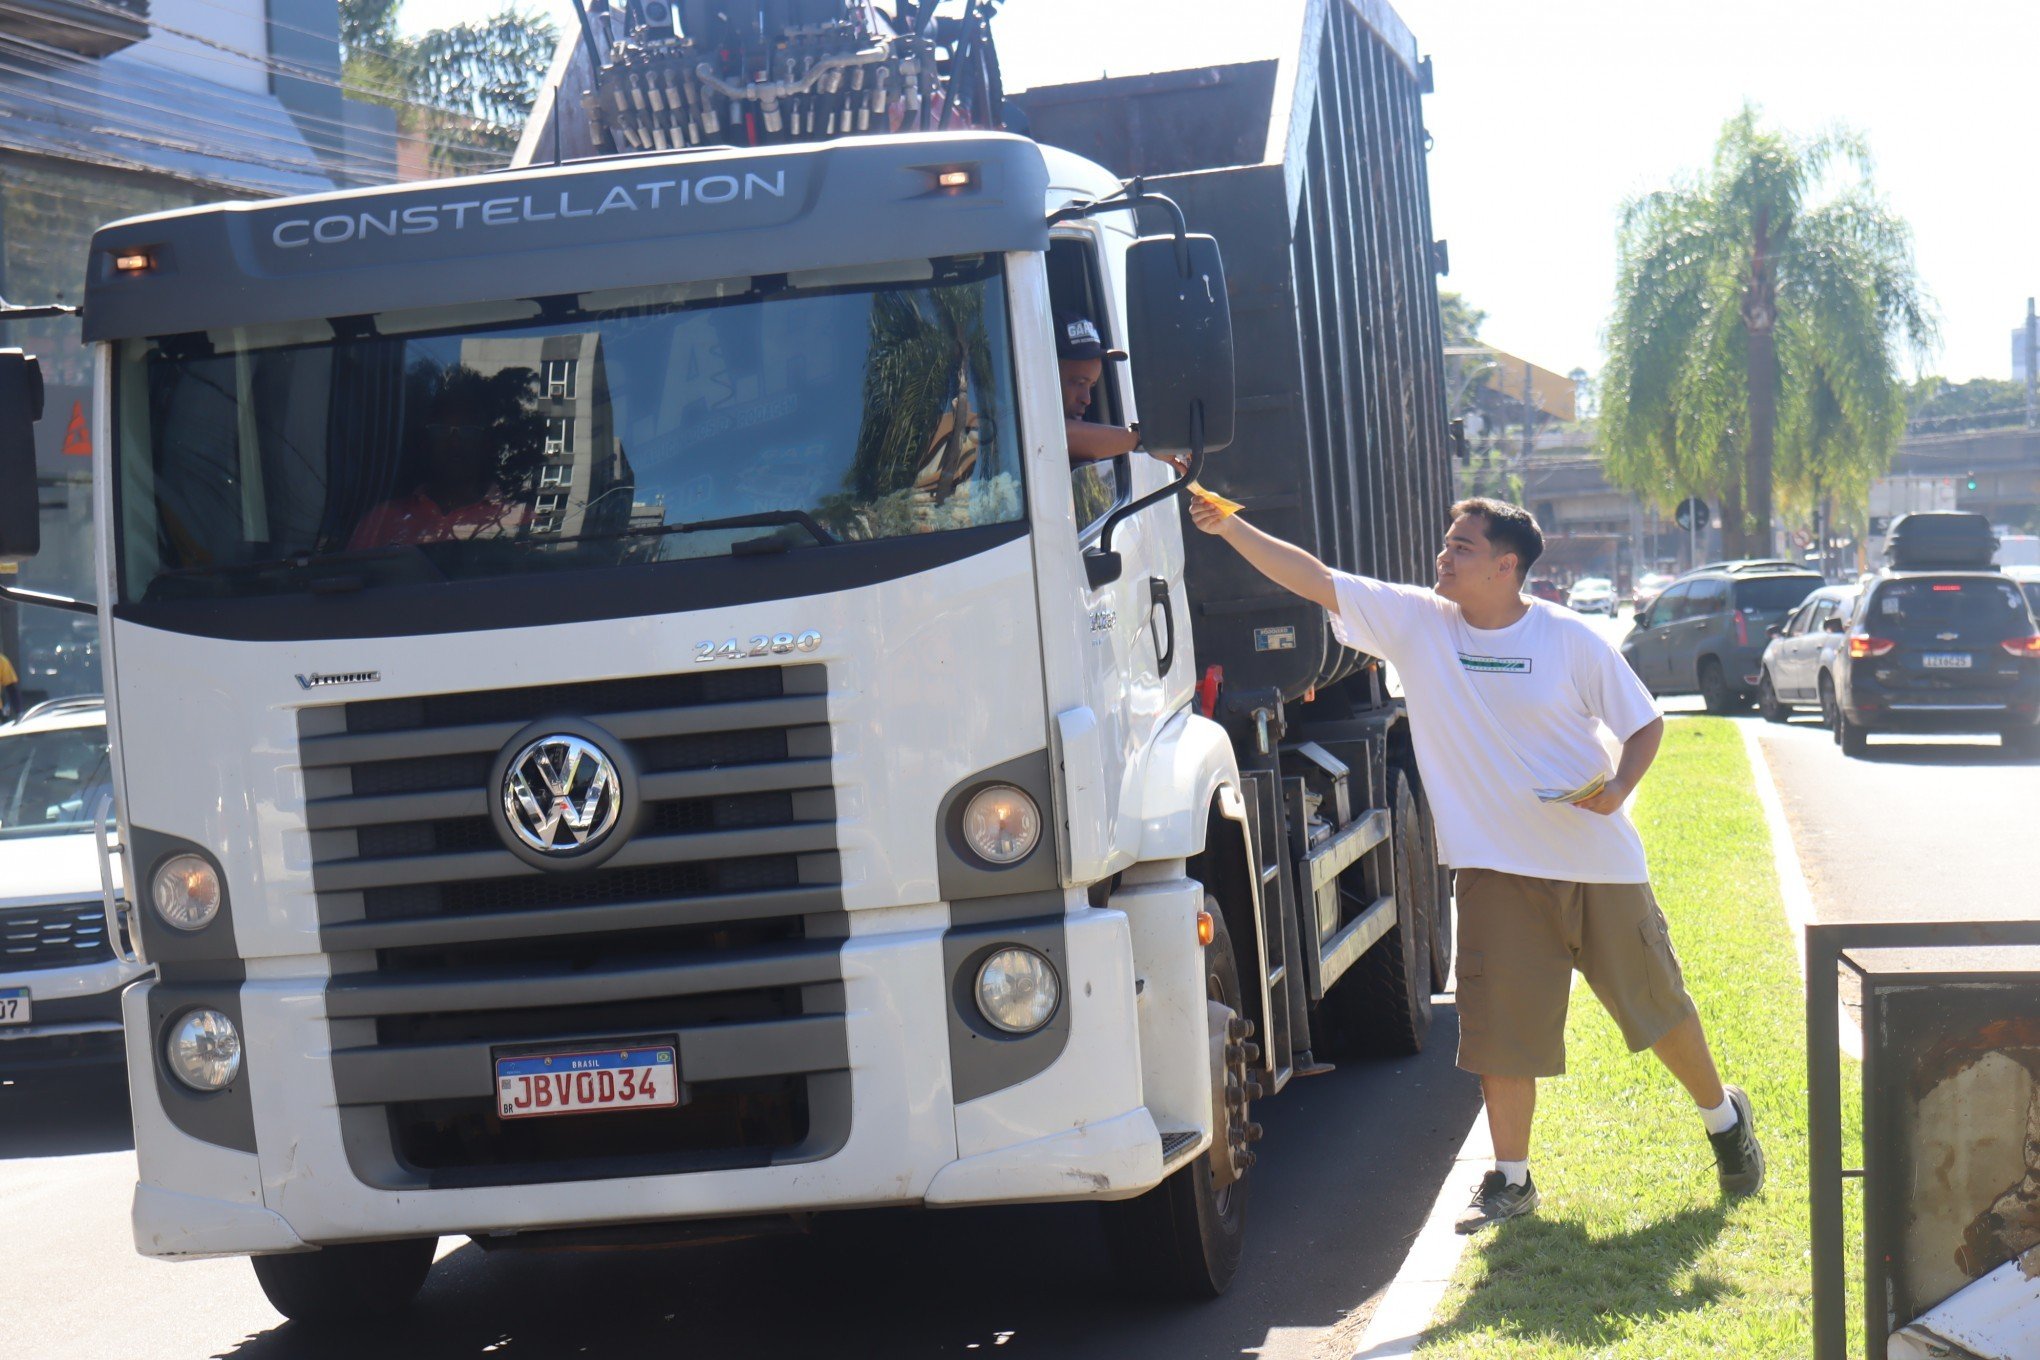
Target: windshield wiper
pixel 763 519
pixel 303 561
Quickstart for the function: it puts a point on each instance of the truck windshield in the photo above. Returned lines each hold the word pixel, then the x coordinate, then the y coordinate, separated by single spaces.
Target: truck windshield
pixel 769 414
pixel 51 781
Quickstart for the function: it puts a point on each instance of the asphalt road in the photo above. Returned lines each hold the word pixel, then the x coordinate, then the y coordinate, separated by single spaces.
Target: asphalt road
pixel 1348 1170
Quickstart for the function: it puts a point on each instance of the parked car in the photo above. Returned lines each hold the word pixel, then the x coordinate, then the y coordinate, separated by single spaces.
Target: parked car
pixel 1647 588
pixel 1704 634
pixel 1937 651
pixel 60 975
pixel 1592 595
pixel 1544 588
pixel 1800 650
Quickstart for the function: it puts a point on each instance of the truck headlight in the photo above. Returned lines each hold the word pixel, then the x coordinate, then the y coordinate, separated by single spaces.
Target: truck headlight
pixel 1001 824
pixel 186 892
pixel 1017 990
pixel 204 1050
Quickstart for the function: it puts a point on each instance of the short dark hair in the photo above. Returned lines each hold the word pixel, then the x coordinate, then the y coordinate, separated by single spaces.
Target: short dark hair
pixel 1510 529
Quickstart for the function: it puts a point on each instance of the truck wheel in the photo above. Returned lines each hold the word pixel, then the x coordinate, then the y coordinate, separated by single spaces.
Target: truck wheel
pixel 1184 1238
pixel 1382 1006
pixel 2023 741
pixel 351 1283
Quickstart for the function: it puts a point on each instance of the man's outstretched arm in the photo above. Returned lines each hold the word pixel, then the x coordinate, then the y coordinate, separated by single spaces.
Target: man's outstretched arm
pixel 1285 564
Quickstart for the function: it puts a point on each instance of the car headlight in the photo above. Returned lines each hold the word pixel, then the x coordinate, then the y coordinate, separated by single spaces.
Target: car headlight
pixel 186 892
pixel 1001 824
pixel 204 1050
pixel 1017 990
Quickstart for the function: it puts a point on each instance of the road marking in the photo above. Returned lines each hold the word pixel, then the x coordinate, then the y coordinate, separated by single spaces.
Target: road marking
pixel 1798 898
pixel 1410 1305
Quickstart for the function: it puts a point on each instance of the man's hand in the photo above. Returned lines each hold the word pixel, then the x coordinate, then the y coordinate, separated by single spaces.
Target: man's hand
pixel 1608 799
pixel 1208 517
pixel 1177 463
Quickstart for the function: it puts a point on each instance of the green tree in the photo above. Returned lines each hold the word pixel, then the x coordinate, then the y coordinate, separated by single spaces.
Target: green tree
pixel 462 91
pixel 1460 320
pixel 1937 406
pixel 1760 313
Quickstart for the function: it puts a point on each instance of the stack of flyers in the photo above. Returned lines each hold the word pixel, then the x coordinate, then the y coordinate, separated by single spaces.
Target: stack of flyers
pixel 1578 795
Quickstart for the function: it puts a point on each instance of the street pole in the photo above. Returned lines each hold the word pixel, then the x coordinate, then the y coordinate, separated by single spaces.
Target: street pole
pixel 2032 368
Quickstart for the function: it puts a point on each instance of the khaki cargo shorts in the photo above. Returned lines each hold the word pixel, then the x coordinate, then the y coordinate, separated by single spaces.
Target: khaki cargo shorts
pixel 1520 940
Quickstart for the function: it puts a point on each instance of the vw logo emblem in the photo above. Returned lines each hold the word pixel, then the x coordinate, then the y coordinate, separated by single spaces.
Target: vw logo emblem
pixel 562 795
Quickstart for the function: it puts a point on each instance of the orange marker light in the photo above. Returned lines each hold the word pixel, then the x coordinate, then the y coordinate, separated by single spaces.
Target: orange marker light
pixel 954 179
pixel 1204 927
pixel 133 262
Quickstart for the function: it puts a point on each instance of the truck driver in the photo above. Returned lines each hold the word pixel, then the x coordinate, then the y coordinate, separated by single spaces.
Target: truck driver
pixel 1081 354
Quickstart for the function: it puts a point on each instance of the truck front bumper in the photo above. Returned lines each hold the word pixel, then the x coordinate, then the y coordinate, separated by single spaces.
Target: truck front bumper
pixel 1075 1129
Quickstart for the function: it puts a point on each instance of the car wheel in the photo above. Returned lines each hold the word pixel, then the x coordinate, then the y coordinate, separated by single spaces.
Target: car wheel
pixel 1714 688
pixel 1827 702
pixel 2023 741
pixel 1767 701
pixel 1850 736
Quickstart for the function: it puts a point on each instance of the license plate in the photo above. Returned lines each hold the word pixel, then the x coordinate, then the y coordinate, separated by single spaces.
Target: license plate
pixel 14 1006
pixel 1945 661
pixel 587 1081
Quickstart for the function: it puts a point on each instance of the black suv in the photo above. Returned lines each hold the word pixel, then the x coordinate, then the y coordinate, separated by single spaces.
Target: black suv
pixel 1704 633
pixel 1937 651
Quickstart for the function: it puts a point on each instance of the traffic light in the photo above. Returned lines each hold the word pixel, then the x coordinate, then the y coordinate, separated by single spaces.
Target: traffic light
pixel 1971 483
pixel 21 403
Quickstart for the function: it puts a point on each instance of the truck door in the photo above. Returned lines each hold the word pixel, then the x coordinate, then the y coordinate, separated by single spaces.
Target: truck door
pixel 1133 663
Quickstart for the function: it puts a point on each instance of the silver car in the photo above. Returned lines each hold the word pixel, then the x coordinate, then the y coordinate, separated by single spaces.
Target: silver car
pixel 1800 649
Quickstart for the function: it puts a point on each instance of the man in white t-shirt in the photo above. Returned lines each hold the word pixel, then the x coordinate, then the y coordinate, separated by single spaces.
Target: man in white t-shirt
pixel 1515 706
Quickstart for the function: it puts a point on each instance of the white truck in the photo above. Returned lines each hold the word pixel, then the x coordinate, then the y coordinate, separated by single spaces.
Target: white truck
pixel 625 718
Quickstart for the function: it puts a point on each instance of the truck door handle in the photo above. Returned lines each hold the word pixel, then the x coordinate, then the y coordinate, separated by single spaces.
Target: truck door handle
pixel 1158 594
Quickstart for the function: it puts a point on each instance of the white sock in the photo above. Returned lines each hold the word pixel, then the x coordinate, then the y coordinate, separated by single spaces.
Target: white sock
pixel 1515 1173
pixel 1721 1118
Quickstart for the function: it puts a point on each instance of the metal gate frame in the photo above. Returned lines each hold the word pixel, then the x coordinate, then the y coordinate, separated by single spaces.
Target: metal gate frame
pixel 1827 945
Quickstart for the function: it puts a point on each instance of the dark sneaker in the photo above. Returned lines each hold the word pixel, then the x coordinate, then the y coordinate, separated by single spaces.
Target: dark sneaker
pixel 1494 1199
pixel 1738 1157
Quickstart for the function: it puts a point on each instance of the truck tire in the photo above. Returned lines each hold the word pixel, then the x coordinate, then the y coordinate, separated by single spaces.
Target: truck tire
pixel 354 1282
pixel 1382 1006
pixel 1185 1237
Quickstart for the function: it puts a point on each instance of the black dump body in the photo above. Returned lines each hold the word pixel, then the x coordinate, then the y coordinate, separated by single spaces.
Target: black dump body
pixel 1310 171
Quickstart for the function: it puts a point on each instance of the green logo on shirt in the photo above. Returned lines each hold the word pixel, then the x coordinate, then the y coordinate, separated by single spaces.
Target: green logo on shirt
pixel 1496 665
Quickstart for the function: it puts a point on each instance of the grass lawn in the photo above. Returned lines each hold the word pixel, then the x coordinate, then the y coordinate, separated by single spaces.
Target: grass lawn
pixel 1634 1253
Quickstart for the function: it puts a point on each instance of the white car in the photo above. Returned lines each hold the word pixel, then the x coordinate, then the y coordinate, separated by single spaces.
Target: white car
pixel 1591 595
pixel 60 974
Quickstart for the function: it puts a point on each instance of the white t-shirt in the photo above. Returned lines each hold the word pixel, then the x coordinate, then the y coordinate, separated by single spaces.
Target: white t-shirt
pixel 1499 713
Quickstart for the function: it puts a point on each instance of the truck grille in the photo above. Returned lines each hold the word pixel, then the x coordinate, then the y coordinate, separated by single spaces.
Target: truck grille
pixel 53 937
pixel 714 925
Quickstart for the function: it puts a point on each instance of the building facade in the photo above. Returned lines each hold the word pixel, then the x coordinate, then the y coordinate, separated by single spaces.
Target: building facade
pixel 116 108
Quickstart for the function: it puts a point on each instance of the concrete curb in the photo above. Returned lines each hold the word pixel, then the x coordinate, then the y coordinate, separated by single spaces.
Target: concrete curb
pixel 1411 1304
pixel 1792 887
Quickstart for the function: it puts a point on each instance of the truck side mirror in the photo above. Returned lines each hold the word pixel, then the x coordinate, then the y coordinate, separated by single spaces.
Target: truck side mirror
pixel 1179 334
pixel 21 405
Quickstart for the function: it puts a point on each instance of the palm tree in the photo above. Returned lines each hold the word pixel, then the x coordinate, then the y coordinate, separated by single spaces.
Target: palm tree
pixel 1757 330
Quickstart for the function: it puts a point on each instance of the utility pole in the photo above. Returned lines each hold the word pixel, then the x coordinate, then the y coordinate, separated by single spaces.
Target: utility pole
pixel 1530 419
pixel 2032 368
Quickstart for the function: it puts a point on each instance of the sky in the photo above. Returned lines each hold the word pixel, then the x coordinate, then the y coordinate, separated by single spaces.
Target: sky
pixel 1548 116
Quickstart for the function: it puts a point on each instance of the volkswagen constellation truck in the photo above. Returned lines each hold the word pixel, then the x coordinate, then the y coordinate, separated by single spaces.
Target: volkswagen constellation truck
pixel 626 719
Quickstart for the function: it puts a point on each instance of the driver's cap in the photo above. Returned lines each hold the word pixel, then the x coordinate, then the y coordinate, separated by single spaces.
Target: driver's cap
pixel 1077 338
